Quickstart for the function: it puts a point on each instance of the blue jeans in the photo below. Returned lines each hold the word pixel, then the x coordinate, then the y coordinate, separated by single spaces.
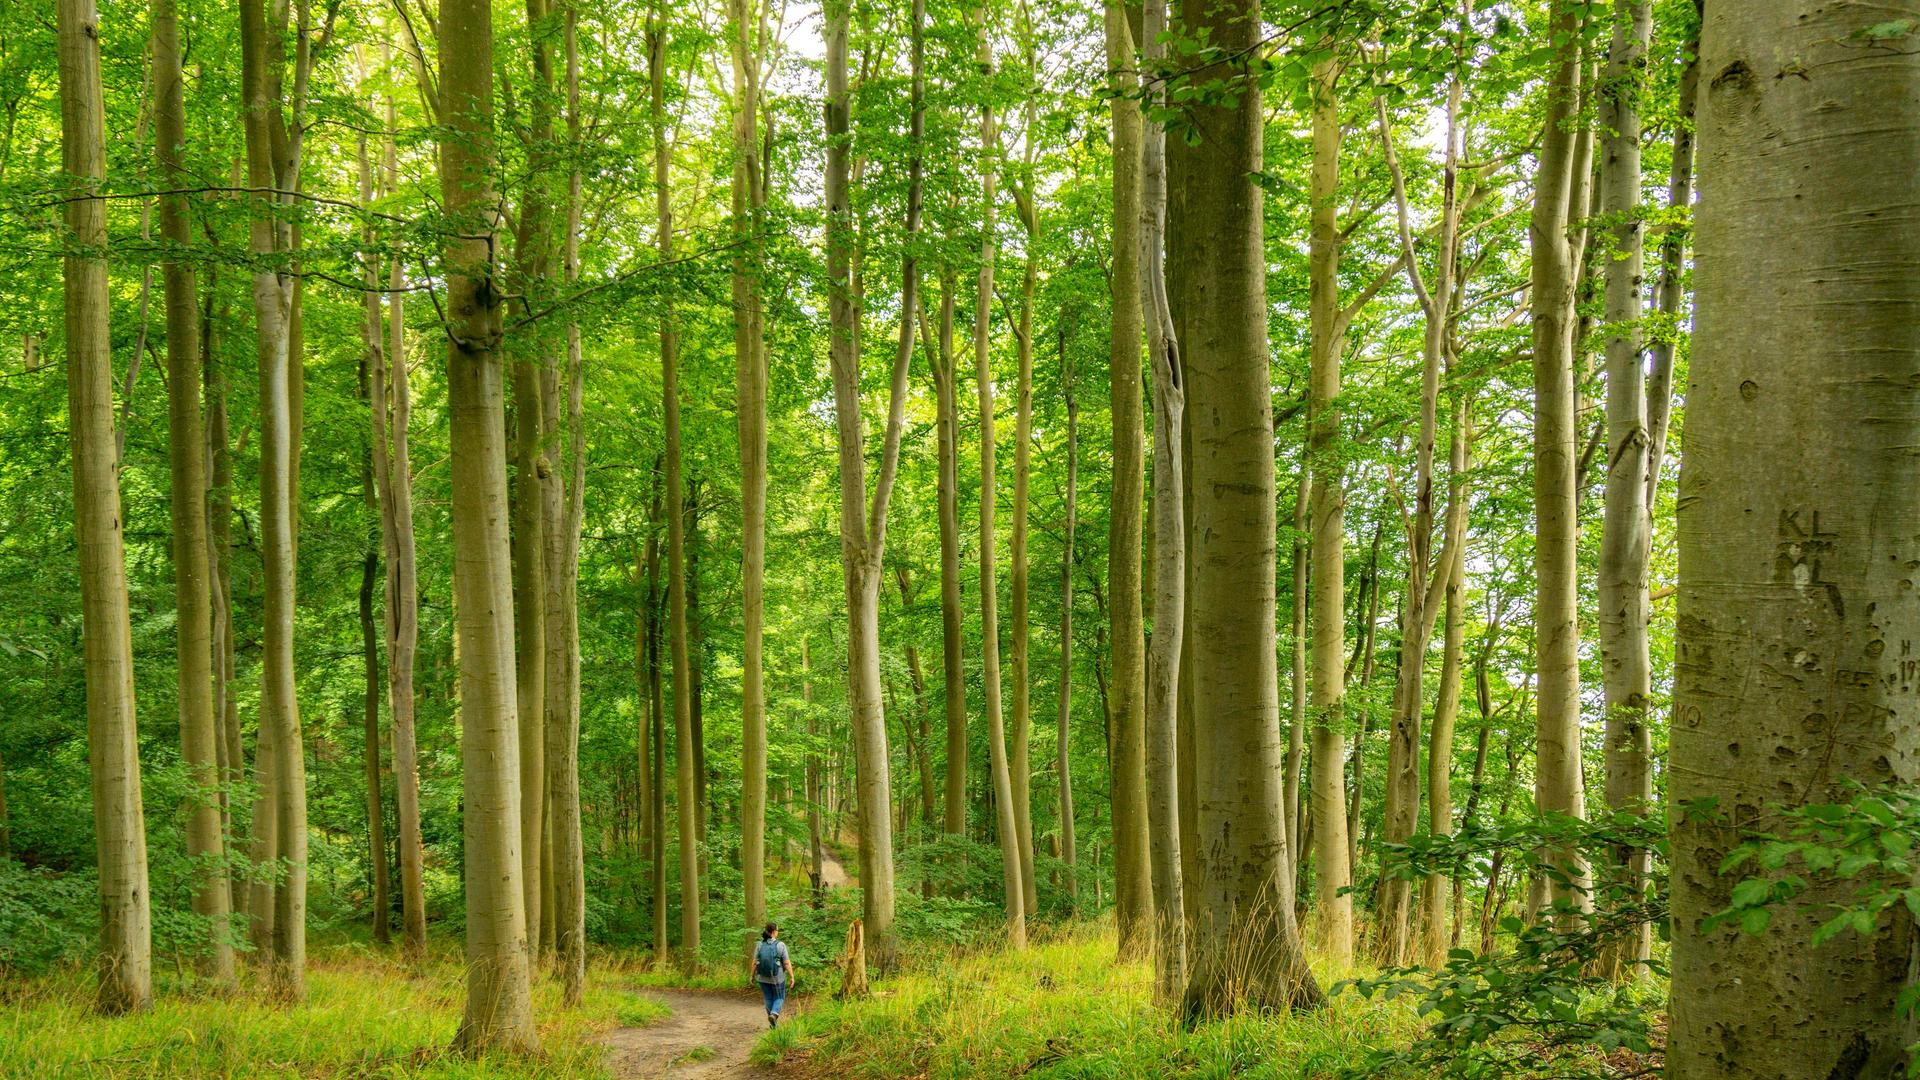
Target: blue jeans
pixel 776 995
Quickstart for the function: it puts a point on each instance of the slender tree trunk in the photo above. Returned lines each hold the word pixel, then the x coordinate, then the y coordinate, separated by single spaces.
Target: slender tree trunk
pixel 376 818
pixel 393 415
pixel 750 386
pixel 1333 868
pixel 952 625
pixel 220 549
pixel 1798 514
pixel 1446 709
pixel 1063 736
pixel 686 762
pixel 1169 553
pixel 529 621
pixel 816 854
pixel 1022 754
pixel 372 369
pixel 272 173
pixel 1006 817
pixel 1246 950
pixel 863 525
pixel 1670 294
pixel 1428 575
pixel 499 1009
pixel 1132 887
pixel 1626 665
pixel 1557 782
pixel 563 754
pixel 1297 681
pixel 656 709
pixel 199 728
pixel 126 920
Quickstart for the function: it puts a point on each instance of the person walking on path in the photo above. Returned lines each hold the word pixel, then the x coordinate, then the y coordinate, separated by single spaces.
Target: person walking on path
pixel 773 971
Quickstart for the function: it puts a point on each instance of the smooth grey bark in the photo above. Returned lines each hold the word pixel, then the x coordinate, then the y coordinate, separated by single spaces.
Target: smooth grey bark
pixel 863 523
pixel 1557 783
pixel 125 962
pixel 1626 665
pixel 1008 823
pixel 1063 732
pixel 1246 949
pixel 1169 551
pixel 1797 522
pixel 499 1007
pixel 1326 510
pixel 200 733
pixel 1132 883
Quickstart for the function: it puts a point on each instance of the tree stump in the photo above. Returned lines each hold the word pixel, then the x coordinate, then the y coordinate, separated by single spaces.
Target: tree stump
pixel 853 965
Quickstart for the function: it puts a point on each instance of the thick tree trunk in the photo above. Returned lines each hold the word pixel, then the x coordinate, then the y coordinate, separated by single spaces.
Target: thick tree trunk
pixel 1557 784
pixel 686 762
pixel 1626 666
pixel 1798 514
pixel 272 174
pixel 1246 949
pixel 1169 554
pixel 1132 885
pixel 750 387
pixel 126 920
pixel 1333 869
pixel 200 732
pixel 499 1009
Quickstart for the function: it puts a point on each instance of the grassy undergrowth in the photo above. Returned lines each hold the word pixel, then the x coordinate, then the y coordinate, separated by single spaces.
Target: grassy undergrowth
pixel 1065 1011
pixel 366 1015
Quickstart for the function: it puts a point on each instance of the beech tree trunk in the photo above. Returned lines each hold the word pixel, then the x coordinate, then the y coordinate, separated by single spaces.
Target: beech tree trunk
pixel 1333 870
pixel 1169 553
pixel 273 169
pixel 200 732
pixel 499 1009
pixel 1063 734
pixel 863 525
pixel 1246 948
pixel 1003 800
pixel 1428 575
pixel 1132 883
pixel 1798 518
pixel 686 762
pixel 563 755
pixel 1557 784
pixel 1626 665
pixel 1021 753
pixel 126 919
pixel 750 391
pixel 952 624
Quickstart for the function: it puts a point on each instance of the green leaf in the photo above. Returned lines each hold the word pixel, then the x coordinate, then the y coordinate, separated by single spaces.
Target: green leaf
pixel 1754 922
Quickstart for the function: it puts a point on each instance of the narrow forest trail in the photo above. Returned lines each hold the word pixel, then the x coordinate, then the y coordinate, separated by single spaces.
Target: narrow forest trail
pixel 833 872
pixel 708 1036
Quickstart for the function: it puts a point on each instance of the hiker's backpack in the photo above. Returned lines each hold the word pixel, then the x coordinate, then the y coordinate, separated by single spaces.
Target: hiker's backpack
pixel 766 962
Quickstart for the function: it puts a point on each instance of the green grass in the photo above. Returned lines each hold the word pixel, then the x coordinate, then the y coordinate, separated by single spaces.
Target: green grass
pixel 1065 1010
pixel 365 1016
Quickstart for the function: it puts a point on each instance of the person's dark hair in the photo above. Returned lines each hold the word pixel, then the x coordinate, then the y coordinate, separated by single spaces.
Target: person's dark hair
pixel 767 934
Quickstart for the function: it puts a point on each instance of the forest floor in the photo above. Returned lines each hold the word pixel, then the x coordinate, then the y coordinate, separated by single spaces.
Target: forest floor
pixel 708 1037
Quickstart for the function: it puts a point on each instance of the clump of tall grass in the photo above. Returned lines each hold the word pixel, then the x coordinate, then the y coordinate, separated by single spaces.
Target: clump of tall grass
pixel 1067 1010
pixel 367 1014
